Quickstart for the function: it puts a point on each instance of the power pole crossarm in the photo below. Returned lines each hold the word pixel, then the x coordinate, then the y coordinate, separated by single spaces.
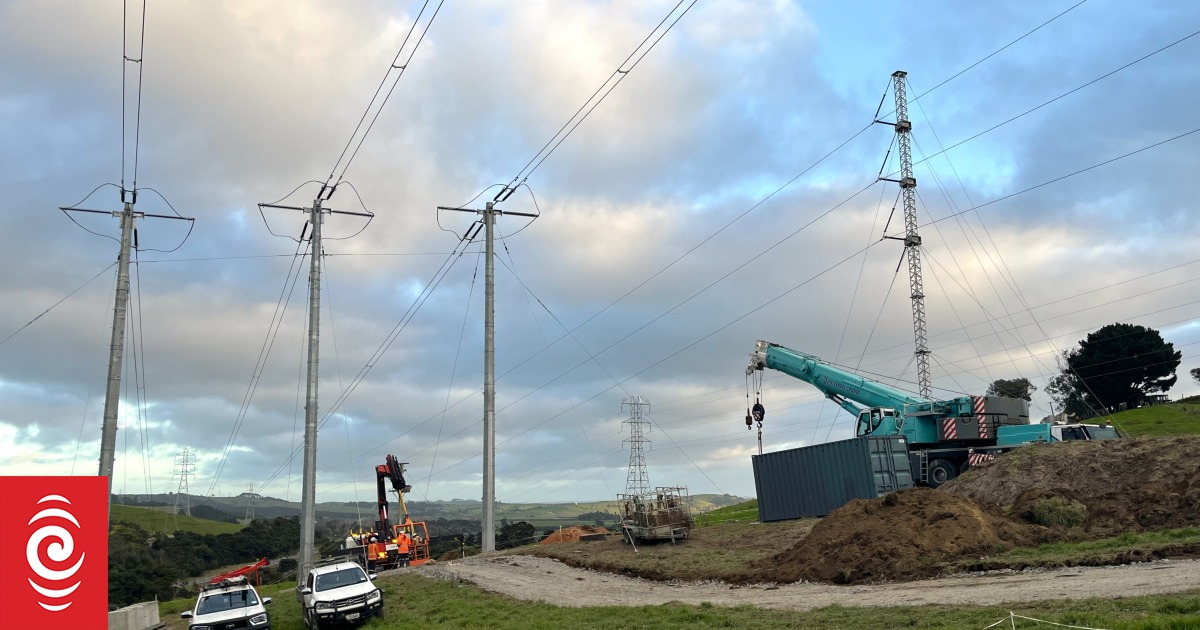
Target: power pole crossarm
pixel 116 350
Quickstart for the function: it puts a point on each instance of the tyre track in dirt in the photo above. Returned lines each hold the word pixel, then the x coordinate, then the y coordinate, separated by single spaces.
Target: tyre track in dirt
pixel 531 578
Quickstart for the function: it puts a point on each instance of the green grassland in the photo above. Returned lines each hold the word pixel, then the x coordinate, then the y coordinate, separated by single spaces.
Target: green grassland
pixel 1178 418
pixel 160 519
pixel 414 601
pixel 745 512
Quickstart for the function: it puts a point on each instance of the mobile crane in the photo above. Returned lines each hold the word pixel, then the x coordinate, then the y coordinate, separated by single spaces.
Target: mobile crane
pixel 944 437
pixel 390 556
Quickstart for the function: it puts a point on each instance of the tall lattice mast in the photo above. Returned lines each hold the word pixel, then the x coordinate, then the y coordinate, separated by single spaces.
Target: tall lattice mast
pixel 637 482
pixel 912 241
pixel 183 497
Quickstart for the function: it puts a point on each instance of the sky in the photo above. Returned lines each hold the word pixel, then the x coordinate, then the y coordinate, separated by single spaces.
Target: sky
pixel 724 191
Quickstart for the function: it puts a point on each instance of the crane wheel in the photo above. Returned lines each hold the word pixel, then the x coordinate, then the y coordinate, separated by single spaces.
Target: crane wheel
pixel 941 471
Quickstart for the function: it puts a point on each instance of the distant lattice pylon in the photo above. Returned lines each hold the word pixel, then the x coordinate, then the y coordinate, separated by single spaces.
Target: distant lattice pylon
pixel 183 497
pixel 250 497
pixel 637 481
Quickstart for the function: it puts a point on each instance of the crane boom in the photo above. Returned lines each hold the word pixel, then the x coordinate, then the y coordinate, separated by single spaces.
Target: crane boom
pixel 885 410
pixel 837 384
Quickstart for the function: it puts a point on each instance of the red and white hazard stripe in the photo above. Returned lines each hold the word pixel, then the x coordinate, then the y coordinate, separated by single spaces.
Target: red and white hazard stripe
pixel 974 459
pixel 978 402
pixel 949 429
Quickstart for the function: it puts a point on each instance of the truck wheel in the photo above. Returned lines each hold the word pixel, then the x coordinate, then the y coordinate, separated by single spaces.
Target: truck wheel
pixel 941 471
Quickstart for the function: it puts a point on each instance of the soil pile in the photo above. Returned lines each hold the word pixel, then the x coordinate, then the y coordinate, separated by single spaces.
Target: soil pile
pixel 903 535
pixel 1130 484
pixel 572 534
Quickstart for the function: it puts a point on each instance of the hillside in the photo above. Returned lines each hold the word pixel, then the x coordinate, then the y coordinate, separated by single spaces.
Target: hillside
pixel 1178 418
pixel 539 514
pixel 160 519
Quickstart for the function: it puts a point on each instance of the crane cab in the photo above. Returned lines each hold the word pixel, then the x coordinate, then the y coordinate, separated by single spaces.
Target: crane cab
pixel 878 420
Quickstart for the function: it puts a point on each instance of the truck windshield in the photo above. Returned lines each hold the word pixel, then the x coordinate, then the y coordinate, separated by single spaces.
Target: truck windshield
pixel 336 579
pixel 219 602
pixel 1103 433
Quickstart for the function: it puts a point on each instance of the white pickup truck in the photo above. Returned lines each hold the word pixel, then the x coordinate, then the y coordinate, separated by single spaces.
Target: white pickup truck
pixel 339 593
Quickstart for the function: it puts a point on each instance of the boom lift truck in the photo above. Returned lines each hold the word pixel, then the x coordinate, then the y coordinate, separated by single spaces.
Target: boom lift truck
pixel 387 554
pixel 944 437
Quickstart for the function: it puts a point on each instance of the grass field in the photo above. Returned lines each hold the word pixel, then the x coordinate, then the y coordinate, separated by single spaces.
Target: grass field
pixel 413 601
pixel 746 512
pixel 1180 418
pixel 160 519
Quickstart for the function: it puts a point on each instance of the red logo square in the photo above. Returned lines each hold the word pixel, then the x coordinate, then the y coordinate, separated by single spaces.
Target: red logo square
pixel 54 552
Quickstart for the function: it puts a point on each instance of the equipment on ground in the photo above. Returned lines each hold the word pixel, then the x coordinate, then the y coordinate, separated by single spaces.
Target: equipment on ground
pixel 660 515
pixel 944 437
pixel 401 544
pixel 249 568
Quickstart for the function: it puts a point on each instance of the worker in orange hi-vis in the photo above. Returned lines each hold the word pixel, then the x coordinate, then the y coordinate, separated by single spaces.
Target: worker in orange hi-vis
pixel 373 549
pixel 403 548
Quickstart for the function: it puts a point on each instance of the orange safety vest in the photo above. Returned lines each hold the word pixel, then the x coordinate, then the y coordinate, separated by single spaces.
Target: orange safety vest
pixel 402 543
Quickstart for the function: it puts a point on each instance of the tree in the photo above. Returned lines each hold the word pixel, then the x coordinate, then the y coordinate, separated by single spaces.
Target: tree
pixel 1012 388
pixel 1064 390
pixel 1115 366
pixel 1196 374
pixel 515 534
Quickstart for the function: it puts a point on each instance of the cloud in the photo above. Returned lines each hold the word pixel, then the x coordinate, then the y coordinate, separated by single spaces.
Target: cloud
pixel 650 272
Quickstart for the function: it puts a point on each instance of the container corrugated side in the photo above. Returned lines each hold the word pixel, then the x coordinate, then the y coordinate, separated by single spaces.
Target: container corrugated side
pixel 815 480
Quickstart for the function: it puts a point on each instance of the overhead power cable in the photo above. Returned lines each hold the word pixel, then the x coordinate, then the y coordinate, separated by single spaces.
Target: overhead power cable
pixel 618 75
pixel 52 306
pixel 285 296
pixel 394 71
pixel 998 51
pixel 125 61
pixel 1059 97
pixel 771 301
pixel 438 276
pixel 1068 175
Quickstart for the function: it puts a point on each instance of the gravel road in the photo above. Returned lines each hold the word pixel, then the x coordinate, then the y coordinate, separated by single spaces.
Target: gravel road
pixel 542 579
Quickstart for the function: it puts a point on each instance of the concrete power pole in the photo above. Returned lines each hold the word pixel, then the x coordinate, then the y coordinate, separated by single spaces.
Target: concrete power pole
pixel 116 353
pixel 116 350
pixel 308 501
pixel 912 240
pixel 488 520
pixel 488 524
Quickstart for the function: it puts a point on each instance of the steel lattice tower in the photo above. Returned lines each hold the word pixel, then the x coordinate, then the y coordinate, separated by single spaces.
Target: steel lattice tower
pixel 183 497
pixel 637 482
pixel 250 498
pixel 912 241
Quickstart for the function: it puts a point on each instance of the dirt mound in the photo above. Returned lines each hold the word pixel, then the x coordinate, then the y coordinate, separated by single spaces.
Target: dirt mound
pixel 1131 484
pixel 903 535
pixel 572 534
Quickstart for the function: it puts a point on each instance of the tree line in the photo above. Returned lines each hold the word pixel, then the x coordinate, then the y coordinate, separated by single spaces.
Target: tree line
pixel 1119 366
pixel 144 565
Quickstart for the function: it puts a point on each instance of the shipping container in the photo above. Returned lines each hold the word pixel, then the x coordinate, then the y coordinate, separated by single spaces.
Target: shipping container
pixel 816 480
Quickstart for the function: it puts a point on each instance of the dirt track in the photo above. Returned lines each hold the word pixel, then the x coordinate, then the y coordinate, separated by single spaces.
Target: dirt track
pixel 542 579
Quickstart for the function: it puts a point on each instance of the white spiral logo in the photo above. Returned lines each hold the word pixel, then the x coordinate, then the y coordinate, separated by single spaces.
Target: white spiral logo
pixel 59 551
